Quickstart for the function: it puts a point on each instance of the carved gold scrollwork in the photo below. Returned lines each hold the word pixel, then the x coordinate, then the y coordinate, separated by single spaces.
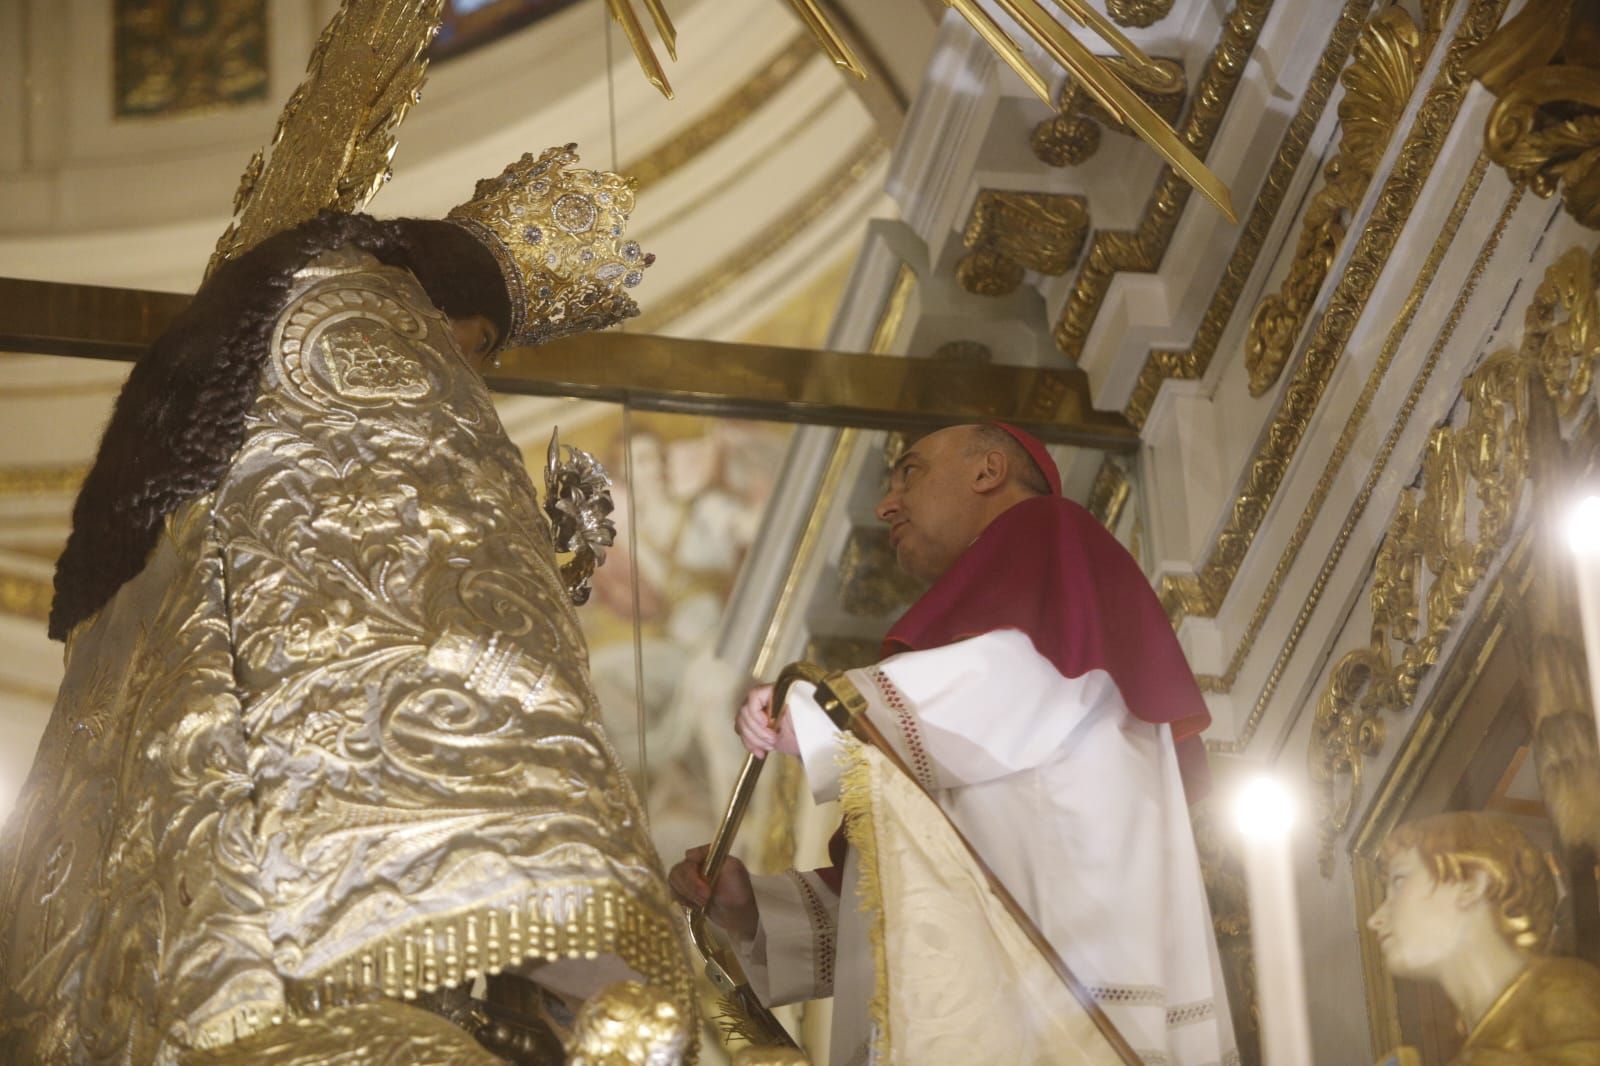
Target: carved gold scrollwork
pixel 1072 135
pixel 1445 535
pixel 1545 128
pixel 1141 248
pixel 1138 13
pixel 1009 232
pixel 1377 84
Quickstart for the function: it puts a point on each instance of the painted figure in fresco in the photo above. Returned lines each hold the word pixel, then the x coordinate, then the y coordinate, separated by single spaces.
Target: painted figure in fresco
pixel 327 743
pixel 1471 905
pixel 1038 693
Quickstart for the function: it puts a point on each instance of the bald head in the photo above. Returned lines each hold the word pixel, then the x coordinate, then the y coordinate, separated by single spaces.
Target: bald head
pixel 945 490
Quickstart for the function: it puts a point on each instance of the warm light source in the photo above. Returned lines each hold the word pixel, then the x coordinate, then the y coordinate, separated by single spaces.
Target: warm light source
pixel 1583 526
pixel 1263 809
pixel 1583 537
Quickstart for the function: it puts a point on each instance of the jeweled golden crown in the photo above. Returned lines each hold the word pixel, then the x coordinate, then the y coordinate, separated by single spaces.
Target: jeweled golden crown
pixel 559 234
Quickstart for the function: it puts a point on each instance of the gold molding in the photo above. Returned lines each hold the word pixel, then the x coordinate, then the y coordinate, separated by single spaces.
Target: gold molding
pixel 1109 493
pixel 41 479
pixel 1201 592
pixel 818 201
pixel 715 192
pixel 1432 557
pixel 1377 85
pixel 1141 249
pixel 1386 355
pixel 894 311
pixel 1358 507
pixel 727 115
pixel 1191 363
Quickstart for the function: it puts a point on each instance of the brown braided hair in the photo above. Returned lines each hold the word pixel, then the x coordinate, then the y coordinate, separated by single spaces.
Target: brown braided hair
pixel 179 418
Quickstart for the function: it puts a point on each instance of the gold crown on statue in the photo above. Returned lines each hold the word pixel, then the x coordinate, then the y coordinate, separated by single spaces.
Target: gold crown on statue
pixel 558 233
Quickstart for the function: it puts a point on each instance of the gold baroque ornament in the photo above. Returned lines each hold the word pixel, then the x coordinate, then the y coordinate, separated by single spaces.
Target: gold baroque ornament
pixel 336 136
pixel 1189 364
pixel 1141 249
pixel 1072 135
pixel 1545 127
pixel 1010 232
pixel 1446 534
pixel 1138 13
pixel 1377 84
pixel 1201 593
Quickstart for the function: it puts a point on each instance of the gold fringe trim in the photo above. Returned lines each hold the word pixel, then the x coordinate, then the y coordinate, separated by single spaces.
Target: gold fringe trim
pixel 856 796
pixel 571 921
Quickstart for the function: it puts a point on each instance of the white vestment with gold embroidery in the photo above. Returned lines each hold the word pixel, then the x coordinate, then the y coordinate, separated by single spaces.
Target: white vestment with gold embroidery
pixel 1075 804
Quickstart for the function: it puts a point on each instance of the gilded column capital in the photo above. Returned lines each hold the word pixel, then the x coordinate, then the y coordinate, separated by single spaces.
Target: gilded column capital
pixel 1012 232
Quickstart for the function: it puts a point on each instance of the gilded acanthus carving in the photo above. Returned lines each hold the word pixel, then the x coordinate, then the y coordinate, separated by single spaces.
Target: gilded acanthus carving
pixel 1138 13
pixel 1201 593
pixel 1377 84
pixel 1072 135
pixel 1009 232
pixel 1446 533
pixel 1545 127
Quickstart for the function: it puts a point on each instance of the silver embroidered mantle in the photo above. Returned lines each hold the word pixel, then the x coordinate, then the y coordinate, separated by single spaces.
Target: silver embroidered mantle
pixel 337 740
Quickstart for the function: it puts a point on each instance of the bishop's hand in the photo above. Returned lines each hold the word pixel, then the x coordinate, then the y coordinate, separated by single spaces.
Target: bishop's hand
pixel 755 727
pixel 732 905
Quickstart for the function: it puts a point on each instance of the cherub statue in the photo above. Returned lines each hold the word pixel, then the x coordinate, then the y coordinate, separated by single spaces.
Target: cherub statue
pixel 1471 906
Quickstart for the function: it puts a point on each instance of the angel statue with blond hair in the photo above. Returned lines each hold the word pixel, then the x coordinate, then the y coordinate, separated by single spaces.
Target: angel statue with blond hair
pixel 327 756
pixel 1471 905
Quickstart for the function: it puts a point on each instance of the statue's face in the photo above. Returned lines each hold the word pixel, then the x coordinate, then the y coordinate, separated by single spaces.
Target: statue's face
pixel 1422 924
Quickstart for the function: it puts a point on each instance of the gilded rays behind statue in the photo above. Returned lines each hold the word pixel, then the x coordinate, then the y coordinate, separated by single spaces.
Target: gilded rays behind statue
pixel 1098 78
pixel 327 754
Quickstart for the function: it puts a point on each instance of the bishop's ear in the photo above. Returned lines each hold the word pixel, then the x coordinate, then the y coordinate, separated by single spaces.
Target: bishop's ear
pixel 991 471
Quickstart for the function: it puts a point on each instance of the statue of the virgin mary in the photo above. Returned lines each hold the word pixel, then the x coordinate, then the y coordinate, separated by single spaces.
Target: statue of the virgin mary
pixel 327 746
